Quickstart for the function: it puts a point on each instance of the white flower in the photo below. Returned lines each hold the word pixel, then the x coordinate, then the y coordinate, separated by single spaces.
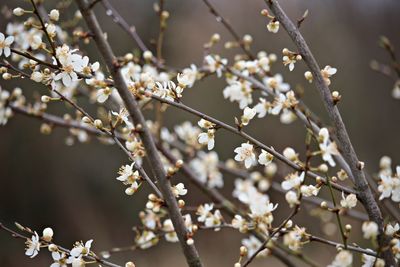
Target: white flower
pixel 54 15
pixel 205 124
pixel 37 76
pixel 179 190
pixel 81 250
pixel 245 190
pixel 291 198
pixel 290 154
pixel 278 104
pixel 203 211
pixel 265 158
pixel 309 190
pixel 215 64
pixel 5 113
pixel 348 202
pixel 327 147
pixel 327 72
pixel 262 108
pixel 5 44
pixel 396 90
pixel 239 92
pixel 123 116
pixel 245 153
pixel 290 58
pixel 190 75
pixel 371 261
pixel 287 116
pixel 188 133
pixel 214 220
pixel 238 222
pixel 293 238
pixel 276 84
pixel 248 114
pixel 253 244
pixel 32 246
pixel 273 26
pixel 125 172
pixel 77 262
pixel 385 186
pixel 103 94
pixel 205 165
pixel 260 207
pixel 293 181
pixel 343 259
pixel 370 230
pixel 170 234
pixel 147 239
pixel 391 230
pixel 48 234
pixel 207 138
pixel 60 259
pixel 390 186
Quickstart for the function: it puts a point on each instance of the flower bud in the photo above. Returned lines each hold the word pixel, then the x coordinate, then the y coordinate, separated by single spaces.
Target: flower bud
pixel 48 234
pixel 86 120
pixel 308 75
pixel 45 99
pixel 18 11
pixel 147 55
pixel 98 124
pixel 7 76
pixel 54 15
pixel 129 264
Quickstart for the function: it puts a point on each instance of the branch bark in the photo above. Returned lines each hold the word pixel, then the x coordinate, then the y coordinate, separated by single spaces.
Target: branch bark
pixel 190 252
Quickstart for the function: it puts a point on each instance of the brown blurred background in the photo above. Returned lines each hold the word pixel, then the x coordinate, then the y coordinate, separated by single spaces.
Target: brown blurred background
pixel 73 188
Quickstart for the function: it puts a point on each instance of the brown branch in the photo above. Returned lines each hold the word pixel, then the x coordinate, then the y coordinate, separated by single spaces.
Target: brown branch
pixel 106 52
pixel 363 190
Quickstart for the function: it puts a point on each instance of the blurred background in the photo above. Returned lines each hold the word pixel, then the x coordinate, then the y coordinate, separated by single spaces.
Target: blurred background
pixel 73 188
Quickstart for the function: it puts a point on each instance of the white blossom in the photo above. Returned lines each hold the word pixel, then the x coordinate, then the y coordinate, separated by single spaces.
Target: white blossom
pixel 205 165
pixel 81 249
pixel 273 26
pixel 328 148
pixel 32 245
pixel 327 72
pixel 343 259
pixel 293 181
pixel 390 230
pixel 215 64
pixel 207 138
pixel 349 201
pixel 370 229
pixel 179 190
pixel 253 244
pixel 292 198
pixel 248 114
pixel 265 158
pixel 276 84
pixel 245 153
pixel 5 44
